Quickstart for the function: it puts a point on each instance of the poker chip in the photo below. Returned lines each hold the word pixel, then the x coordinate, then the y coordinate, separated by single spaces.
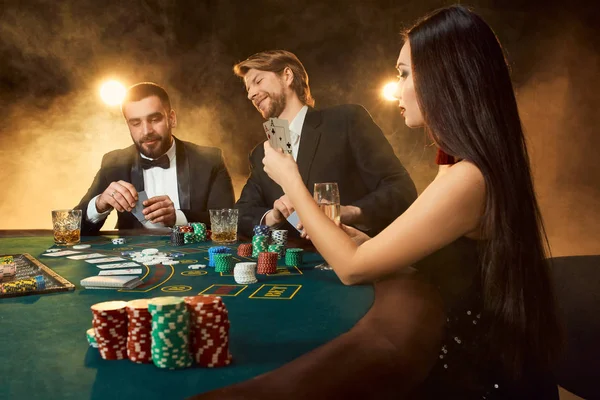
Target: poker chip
pixel 267 263
pixel 119 241
pixel 196 266
pixel 245 250
pixel 19 286
pixel 55 250
pixel 223 262
pixel 293 257
pixel 277 248
pixel 279 236
pixel 262 230
pixel 209 331
pixel 200 231
pixel 6 260
pixel 259 244
pixel 177 238
pixel 244 273
pixel 170 332
pixel 76 247
pixel 139 328
pixel 91 338
pixel 149 252
pixel 110 329
pixel 216 250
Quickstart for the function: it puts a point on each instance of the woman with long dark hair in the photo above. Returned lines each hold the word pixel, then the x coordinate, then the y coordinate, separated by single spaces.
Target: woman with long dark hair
pixel 475 232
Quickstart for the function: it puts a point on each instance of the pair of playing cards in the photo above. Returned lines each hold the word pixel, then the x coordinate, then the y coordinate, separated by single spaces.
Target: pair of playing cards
pixel 278 134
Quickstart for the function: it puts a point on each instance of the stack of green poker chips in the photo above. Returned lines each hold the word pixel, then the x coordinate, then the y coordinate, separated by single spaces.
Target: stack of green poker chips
pixel 170 332
pixel 224 263
pixel 293 257
pixel 277 248
pixel 189 237
pixel 260 244
pixel 200 231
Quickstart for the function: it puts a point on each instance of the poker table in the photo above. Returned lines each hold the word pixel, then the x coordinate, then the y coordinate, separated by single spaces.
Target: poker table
pixel 298 333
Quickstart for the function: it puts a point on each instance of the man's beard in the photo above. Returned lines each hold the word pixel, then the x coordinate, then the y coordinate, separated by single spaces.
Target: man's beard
pixel 155 152
pixel 276 106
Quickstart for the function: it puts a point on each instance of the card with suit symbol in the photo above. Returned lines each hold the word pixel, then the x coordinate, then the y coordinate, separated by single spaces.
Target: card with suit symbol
pixel 278 134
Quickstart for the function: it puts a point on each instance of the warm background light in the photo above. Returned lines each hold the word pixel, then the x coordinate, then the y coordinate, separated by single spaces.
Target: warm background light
pixel 388 91
pixel 112 93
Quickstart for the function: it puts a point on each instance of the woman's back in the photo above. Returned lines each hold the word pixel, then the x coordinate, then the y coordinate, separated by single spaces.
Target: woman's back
pixel 465 369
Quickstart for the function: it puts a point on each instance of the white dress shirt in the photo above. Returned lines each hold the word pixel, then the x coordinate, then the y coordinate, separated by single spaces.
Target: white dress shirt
pixel 157 182
pixel 295 133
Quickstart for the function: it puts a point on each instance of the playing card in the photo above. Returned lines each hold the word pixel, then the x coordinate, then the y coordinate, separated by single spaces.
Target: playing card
pixel 118 265
pixel 270 135
pixel 139 206
pixel 280 128
pixel 127 271
pixel 61 253
pixel 104 260
pixel 86 256
pixel 294 220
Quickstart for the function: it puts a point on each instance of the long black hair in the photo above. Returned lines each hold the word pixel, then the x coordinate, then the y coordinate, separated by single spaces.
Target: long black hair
pixel 464 90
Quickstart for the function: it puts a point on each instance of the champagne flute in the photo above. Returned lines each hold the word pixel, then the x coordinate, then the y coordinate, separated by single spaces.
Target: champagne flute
pixel 327 196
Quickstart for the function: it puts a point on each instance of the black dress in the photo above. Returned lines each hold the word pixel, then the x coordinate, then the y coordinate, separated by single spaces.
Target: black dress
pixel 462 371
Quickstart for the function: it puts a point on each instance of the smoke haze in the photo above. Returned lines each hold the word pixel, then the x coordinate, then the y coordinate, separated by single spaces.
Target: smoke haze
pixel 55 129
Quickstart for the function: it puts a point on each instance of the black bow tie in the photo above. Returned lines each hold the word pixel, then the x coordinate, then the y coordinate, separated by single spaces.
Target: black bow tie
pixel 162 162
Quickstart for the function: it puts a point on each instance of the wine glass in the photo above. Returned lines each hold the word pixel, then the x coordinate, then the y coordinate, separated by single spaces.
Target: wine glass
pixel 327 196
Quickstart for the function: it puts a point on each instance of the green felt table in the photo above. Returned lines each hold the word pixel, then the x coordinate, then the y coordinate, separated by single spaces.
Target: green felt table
pixel 45 354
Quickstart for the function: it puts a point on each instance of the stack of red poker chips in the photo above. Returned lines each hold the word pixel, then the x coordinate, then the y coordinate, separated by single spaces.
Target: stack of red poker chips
pixel 245 250
pixel 110 327
pixel 209 331
pixel 267 263
pixel 185 228
pixel 139 340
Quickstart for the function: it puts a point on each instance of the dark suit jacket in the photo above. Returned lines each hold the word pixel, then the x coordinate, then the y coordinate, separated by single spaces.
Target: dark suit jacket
pixel 340 144
pixel 202 179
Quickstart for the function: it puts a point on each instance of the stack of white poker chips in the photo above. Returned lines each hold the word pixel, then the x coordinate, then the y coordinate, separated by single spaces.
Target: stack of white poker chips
pixel 139 341
pixel 119 241
pixel 244 273
pixel 279 236
pixel 170 332
pixel 110 328
pixel 151 257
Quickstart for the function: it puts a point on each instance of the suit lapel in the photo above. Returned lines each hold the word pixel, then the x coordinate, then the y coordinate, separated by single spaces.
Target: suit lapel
pixel 309 141
pixel 137 174
pixel 183 175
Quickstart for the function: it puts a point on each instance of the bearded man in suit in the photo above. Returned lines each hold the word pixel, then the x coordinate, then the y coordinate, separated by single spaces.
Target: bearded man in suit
pixel 181 180
pixel 338 144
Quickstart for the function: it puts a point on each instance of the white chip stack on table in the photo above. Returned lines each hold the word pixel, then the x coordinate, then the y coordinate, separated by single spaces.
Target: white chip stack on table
pixel 244 273
pixel 279 236
pixel 150 257
pixel 110 329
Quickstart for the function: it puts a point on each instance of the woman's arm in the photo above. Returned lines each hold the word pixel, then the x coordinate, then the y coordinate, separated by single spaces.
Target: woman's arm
pixel 449 208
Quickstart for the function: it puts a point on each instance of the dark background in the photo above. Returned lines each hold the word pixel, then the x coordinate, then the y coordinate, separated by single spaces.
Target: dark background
pixel 55 54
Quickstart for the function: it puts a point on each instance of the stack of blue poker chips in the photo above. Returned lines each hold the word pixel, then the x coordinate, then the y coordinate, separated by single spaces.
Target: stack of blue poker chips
pixel 216 250
pixel 262 230
pixel 40 282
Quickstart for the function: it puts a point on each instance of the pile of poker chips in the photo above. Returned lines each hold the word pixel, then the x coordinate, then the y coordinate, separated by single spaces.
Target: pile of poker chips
pixel 216 250
pixel 23 285
pixel 277 248
pixel 200 231
pixel 177 238
pixel 139 341
pixel 244 273
pixel 280 236
pixel 6 260
pixel 260 244
pixel 209 331
pixel 267 263
pixel 110 329
pixel 170 330
pixel 293 257
pixel 152 257
pixel 91 338
pixel 223 262
pixel 262 230
pixel 245 250
pixel 119 241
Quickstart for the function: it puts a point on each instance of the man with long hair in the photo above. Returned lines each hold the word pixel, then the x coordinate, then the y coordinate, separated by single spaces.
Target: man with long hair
pixel 338 144
pixel 181 180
